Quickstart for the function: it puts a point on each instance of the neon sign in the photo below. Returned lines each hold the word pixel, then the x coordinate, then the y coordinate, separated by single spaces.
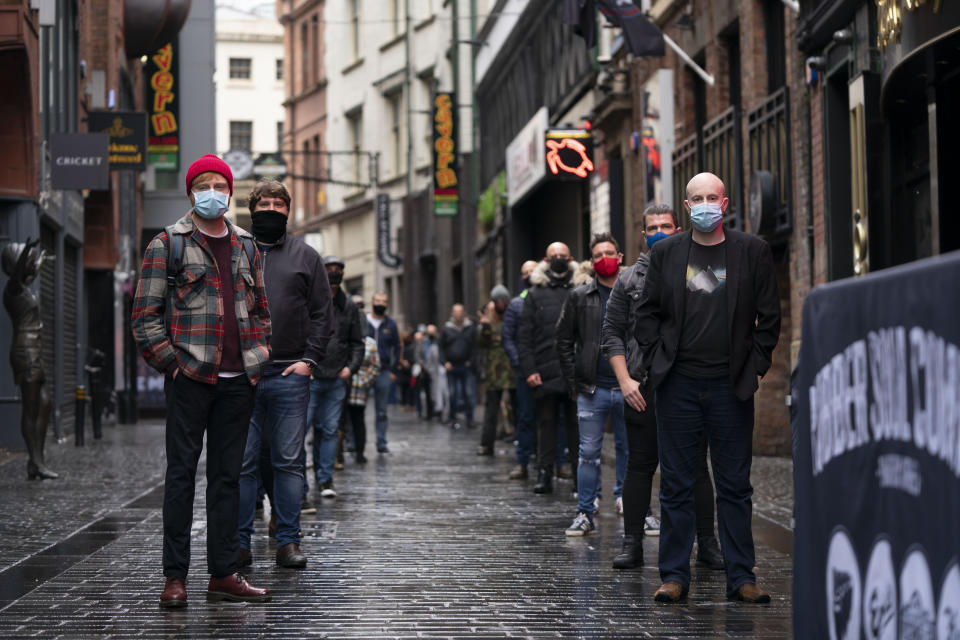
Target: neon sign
pixel 569 153
pixel 445 180
pixel 164 139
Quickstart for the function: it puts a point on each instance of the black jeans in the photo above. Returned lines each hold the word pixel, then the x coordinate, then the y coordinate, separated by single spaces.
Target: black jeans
pixel 359 423
pixel 491 411
pixel 222 410
pixel 642 463
pixel 547 409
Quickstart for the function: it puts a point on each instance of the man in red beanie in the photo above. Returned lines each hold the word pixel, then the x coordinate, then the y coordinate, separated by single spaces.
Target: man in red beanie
pixel 206 325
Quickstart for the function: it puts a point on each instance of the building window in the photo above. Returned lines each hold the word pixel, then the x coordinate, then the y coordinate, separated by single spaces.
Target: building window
pixel 315 45
pixel 279 69
pixel 396 7
pixel 355 28
pixel 304 56
pixel 241 134
pixel 239 68
pixel 396 132
pixel 279 136
pixel 355 125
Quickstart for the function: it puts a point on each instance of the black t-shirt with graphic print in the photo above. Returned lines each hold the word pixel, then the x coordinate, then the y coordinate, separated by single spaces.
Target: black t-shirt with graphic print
pixel 704 349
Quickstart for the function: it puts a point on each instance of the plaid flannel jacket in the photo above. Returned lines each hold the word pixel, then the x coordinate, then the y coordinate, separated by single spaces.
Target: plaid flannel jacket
pixel 194 341
pixel 362 380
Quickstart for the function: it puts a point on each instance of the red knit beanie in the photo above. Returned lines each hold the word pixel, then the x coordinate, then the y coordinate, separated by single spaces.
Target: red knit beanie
pixel 206 163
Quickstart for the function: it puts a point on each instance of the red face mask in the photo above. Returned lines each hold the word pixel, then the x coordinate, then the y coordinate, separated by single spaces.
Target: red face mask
pixel 606 266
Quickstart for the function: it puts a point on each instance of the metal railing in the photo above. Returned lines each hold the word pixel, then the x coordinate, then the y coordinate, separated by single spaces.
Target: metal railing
pixel 768 131
pixel 686 164
pixel 723 156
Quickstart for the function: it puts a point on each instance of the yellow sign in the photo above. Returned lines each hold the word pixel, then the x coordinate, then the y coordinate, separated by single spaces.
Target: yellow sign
pixel 890 18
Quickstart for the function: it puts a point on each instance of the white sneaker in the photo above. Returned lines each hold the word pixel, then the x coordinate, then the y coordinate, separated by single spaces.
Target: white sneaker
pixel 582 525
pixel 651 526
pixel 620 506
pixel 596 504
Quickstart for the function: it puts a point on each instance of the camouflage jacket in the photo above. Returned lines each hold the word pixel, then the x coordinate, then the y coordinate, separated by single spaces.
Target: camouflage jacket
pixel 497 372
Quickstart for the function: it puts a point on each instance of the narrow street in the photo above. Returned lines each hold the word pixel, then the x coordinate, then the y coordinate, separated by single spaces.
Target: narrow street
pixel 430 541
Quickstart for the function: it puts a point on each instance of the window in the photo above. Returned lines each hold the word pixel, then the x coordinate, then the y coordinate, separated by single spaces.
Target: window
pixel 239 68
pixel 314 43
pixel 355 28
pixel 304 56
pixel 279 69
pixel 396 16
pixel 241 134
pixel 279 136
pixel 355 124
pixel 396 132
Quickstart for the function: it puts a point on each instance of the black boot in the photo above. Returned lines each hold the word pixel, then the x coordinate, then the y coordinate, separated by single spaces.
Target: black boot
pixel 631 555
pixel 544 480
pixel 708 553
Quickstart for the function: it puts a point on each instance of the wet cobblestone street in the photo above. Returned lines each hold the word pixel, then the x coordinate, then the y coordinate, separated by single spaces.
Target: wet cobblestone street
pixel 430 541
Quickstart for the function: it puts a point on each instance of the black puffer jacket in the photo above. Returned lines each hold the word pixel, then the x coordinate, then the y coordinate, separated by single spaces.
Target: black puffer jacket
pixel 458 344
pixel 618 337
pixel 345 348
pixel 536 344
pixel 578 334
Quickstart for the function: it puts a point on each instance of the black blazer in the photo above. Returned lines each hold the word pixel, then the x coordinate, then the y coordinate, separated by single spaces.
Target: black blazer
pixel 753 307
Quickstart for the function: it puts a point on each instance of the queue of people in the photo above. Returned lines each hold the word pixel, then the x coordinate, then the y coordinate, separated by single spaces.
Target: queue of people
pixel 669 351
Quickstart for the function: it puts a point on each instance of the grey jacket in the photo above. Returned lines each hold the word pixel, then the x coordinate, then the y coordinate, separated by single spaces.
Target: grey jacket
pixel 617 337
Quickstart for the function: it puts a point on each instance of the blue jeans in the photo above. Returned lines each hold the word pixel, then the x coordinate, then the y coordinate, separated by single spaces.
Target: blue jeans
pixel 592 412
pixel 686 408
pixel 279 414
pixel 323 416
pixel 463 391
pixel 526 429
pixel 381 394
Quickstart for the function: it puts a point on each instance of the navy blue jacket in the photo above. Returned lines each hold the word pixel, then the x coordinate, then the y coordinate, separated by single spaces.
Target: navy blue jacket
pixel 388 343
pixel 508 331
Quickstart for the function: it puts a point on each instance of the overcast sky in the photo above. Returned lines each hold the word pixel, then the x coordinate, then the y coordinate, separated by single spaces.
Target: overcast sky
pixel 241 9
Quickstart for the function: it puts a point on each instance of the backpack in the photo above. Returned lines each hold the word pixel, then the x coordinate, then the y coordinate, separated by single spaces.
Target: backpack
pixel 175 260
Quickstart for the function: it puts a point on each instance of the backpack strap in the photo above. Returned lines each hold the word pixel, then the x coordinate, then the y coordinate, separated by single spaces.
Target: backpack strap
pixel 174 257
pixel 249 249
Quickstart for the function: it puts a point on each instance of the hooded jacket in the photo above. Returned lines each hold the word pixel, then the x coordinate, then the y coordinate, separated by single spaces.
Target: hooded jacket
pixel 536 345
pixel 458 344
pixel 345 348
pixel 578 332
pixel 617 338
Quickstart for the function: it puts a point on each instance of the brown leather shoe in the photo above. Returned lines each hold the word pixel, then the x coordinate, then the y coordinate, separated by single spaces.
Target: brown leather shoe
pixel 244 558
pixel 750 592
pixel 272 527
pixel 174 594
pixel 290 556
pixel 235 588
pixel 565 471
pixel 670 591
pixel 519 472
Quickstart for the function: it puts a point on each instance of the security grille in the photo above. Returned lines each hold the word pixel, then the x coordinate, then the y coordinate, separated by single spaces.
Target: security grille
pixel 48 301
pixel 768 129
pixel 723 156
pixel 686 164
pixel 69 356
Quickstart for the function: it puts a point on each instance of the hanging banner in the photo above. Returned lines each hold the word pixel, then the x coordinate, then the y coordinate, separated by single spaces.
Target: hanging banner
pixel 446 197
pixel 128 137
pixel 876 447
pixel 525 158
pixel 387 258
pixel 163 108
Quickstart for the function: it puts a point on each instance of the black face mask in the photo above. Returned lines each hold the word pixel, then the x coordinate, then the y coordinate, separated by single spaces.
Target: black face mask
pixel 379 309
pixel 335 277
pixel 526 283
pixel 268 225
pixel 559 265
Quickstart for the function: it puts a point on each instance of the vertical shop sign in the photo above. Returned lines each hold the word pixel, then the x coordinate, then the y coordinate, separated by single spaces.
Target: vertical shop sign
pixel 163 143
pixel 445 179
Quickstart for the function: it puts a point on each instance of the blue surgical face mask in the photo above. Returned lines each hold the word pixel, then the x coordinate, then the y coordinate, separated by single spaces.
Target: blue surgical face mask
pixel 210 204
pixel 705 216
pixel 655 238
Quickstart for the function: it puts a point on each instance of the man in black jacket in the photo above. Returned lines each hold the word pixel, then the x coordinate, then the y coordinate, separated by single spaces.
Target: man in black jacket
pixel 328 389
pixel 639 411
pixel 458 353
pixel 551 283
pixel 707 338
pixel 299 300
pixel 590 378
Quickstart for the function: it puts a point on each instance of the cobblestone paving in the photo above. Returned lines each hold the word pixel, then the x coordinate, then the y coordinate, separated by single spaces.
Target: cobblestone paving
pixel 431 541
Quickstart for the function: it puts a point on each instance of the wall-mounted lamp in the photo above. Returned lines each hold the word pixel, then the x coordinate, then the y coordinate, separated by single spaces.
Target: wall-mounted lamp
pixel 843 36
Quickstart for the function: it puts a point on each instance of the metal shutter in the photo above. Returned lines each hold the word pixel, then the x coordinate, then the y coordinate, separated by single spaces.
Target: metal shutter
pixel 48 302
pixel 69 356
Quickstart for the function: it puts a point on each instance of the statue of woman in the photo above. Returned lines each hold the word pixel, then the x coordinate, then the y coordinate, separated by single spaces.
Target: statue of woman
pixel 21 262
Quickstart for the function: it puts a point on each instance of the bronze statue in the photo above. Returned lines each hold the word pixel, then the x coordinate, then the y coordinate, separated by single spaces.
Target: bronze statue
pixel 21 262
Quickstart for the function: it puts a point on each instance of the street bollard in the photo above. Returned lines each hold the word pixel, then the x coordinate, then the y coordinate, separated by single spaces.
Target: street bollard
pixel 79 416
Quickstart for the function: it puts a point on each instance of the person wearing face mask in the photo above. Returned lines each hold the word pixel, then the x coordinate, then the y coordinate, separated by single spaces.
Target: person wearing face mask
pixel 526 434
pixel 300 304
pixel 639 411
pixel 208 329
pixel 707 338
pixel 551 284
pixel 382 328
pixel 328 389
pixel 590 379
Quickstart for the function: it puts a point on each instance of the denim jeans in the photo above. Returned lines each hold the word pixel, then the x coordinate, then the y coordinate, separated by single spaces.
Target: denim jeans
pixel 526 430
pixel 686 408
pixel 323 416
pixel 592 412
pixel 280 415
pixel 381 394
pixel 463 391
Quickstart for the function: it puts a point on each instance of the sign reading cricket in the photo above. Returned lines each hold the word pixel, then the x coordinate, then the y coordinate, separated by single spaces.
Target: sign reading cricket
pixel 445 180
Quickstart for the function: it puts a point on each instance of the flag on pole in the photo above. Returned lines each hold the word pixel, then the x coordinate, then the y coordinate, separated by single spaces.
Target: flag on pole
pixel 642 37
